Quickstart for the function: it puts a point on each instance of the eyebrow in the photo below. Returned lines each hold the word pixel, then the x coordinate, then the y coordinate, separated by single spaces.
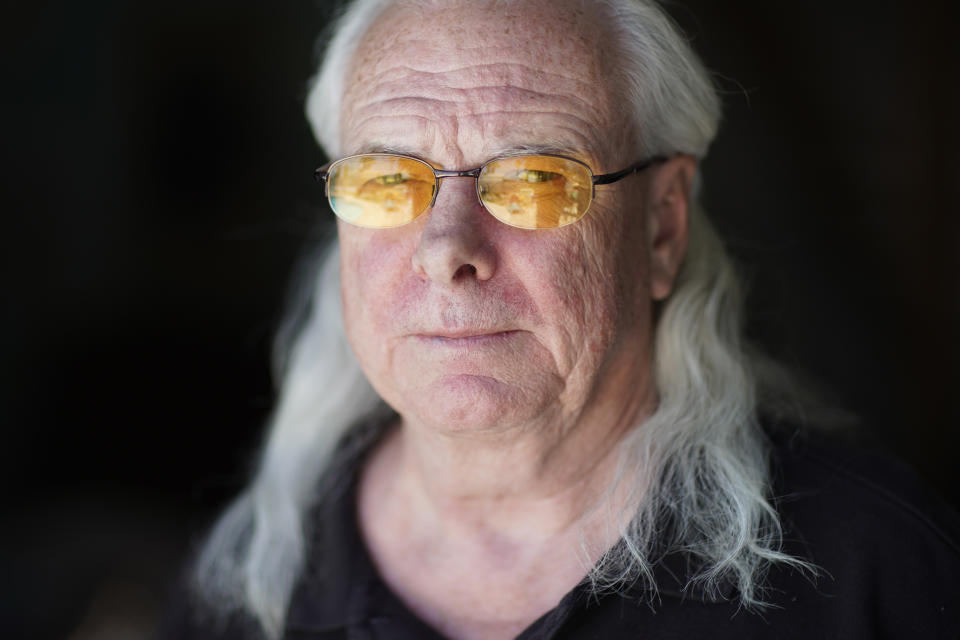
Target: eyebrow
pixel 552 148
pixel 385 148
pixel 539 147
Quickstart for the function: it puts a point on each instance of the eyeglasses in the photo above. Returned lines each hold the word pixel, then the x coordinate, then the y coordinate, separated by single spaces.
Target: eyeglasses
pixel 541 191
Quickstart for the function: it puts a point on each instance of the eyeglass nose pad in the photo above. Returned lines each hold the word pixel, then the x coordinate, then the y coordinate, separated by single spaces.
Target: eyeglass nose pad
pixel 480 194
pixel 436 189
pixel 439 175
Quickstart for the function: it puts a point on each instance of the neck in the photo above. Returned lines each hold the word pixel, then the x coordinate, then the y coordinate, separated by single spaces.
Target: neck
pixel 481 533
pixel 525 482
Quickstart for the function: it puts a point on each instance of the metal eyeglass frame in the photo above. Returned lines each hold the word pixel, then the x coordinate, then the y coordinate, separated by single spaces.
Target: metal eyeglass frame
pixel 321 173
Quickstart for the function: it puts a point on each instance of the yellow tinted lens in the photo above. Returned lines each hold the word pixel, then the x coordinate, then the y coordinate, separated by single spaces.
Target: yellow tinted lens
pixel 536 192
pixel 380 190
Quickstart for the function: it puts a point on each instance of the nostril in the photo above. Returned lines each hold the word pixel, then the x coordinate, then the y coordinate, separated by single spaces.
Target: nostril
pixel 465 270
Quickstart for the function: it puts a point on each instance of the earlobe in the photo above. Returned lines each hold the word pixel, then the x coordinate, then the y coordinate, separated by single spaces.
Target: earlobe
pixel 668 214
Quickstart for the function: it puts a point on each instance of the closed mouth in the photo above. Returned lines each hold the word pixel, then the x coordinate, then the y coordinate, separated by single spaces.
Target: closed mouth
pixel 467 337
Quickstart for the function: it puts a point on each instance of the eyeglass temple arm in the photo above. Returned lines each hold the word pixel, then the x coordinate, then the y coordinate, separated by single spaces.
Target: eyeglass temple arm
pixel 320 174
pixel 607 178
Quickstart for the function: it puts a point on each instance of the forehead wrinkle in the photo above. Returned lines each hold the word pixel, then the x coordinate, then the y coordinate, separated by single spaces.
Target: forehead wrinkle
pixel 469 100
pixel 448 112
pixel 494 112
pixel 414 126
pixel 495 36
pixel 568 135
pixel 454 93
pixel 473 82
pixel 419 135
pixel 504 72
pixel 470 110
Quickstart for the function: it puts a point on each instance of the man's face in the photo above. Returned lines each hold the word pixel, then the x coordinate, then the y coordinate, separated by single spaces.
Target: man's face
pixel 460 321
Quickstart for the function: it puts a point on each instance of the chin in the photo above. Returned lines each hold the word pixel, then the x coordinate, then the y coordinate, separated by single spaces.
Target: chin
pixel 473 403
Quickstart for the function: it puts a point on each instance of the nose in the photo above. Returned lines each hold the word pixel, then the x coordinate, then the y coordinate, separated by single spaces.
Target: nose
pixel 455 246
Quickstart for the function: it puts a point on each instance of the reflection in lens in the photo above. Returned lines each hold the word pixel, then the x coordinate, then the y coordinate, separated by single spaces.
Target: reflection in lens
pixel 536 192
pixel 378 190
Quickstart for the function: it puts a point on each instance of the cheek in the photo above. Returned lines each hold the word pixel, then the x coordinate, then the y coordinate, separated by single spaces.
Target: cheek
pixel 372 269
pixel 373 265
pixel 620 242
pixel 598 283
pixel 574 295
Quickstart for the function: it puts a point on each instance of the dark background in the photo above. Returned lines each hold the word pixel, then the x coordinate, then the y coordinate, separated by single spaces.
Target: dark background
pixel 157 192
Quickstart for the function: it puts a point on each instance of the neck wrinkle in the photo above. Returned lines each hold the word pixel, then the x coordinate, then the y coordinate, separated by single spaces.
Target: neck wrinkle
pixel 532 483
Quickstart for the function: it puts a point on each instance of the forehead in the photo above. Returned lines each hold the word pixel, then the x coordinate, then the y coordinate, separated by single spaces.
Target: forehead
pixel 465 81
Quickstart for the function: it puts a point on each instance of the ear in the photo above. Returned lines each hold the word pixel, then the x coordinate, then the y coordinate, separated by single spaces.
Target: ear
pixel 668 214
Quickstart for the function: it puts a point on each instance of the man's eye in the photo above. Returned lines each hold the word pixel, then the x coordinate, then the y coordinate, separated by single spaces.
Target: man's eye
pixel 393 178
pixel 533 175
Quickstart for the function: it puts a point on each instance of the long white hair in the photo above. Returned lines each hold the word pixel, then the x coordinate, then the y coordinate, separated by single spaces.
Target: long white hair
pixel 697 467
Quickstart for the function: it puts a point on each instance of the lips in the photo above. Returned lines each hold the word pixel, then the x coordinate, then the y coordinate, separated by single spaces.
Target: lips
pixel 466 338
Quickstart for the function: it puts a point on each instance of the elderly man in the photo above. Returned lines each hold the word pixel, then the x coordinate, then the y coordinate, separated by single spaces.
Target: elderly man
pixel 520 406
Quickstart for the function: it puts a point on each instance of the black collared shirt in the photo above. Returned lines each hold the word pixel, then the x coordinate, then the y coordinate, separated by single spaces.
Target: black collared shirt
pixel 888 551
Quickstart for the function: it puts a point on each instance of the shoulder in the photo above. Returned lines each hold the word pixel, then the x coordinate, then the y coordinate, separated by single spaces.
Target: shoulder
pixel 887 548
pixel 820 483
